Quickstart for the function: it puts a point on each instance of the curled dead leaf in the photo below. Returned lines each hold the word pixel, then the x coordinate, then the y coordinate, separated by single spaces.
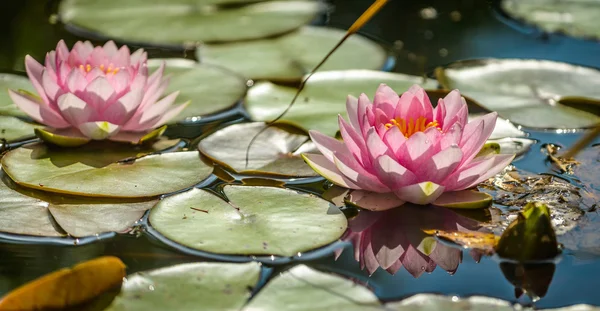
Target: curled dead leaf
pixel 482 241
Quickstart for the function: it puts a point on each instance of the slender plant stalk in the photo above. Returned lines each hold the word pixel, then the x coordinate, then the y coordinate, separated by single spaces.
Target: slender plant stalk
pixel 358 24
pixel 582 143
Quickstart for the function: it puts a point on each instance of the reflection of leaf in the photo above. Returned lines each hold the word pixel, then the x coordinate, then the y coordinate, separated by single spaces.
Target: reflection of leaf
pixel 533 279
pixel 194 286
pixel 526 91
pixel 67 287
pixel 303 288
pixel 184 21
pixel 256 221
pixel 88 172
pixel 275 151
pixel 530 236
pixel 290 56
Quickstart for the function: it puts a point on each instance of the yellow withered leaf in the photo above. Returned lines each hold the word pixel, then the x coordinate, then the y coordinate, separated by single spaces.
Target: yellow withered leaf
pixel 484 241
pixel 67 287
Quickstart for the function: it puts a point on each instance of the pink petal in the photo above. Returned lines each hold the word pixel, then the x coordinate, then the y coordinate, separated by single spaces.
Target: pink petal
pixel 123 108
pixel 421 193
pixel 440 165
pixel 448 258
pixel 110 48
pixel 62 52
pixel 352 111
pixel 392 173
pixel 456 110
pixel 98 130
pixel 76 81
pixel 170 114
pixel 34 72
pixel 158 109
pixel 120 81
pixel 327 169
pixel 93 74
pixel 415 151
pixel 128 137
pixel 354 142
pixel 38 110
pixel 409 107
pixel 138 57
pixel 99 93
pixel 475 135
pixel 373 201
pixel 375 146
pixel 153 93
pixel 51 88
pixel 451 137
pixel 363 103
pixel 50 64
pixel 394 139
pixel 348 166
pixel 121 58
pixel 499 163
pixel 386 100
pixel 327 145
pixel 420 93
pixel 414 261
pixel 74 110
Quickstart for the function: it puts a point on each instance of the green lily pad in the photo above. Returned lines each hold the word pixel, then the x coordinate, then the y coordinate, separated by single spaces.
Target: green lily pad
pixel 255 221
pixel 572 17
pixel 432 302
pixel 15 82
pixel 291 56
pixel 93 171
pixel 13 129
pixel 209 88
pixel 517 146
pixel 40 213
pixel 467 199
pixel 527 92
pixel 276 151
pixel 187 287
pixel 186 21
pixel 323 98
pixel 303 288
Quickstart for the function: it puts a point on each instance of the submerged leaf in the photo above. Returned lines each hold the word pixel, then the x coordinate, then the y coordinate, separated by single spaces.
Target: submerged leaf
pixel 530 236
pixel 67 287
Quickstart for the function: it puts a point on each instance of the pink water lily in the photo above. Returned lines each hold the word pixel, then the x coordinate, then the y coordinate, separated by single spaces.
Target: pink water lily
pixel 405 146
pixel 96 93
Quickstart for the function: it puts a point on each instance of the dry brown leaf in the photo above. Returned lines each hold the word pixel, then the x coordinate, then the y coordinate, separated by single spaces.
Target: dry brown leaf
pixel 67 287
pixel 483 241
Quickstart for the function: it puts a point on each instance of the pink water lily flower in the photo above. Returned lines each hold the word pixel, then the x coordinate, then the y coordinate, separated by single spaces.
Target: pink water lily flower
pixel 95 93
pixel 403 145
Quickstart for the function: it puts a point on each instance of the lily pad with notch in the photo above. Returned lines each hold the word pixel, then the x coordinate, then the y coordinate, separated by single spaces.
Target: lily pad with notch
pixel 276 151
pixel 255 221
pixel 167 22
pixel 527 92
pixel 291 56
pixel 97 171
pixel 209 89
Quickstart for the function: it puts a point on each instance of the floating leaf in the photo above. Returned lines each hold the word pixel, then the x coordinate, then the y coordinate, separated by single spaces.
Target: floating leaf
pixel 15 82
pixel 275 151
pixel 256 221
pixel 464 199
pixel 187 287
pixel 67 287
pixel 290 56
pixel 209 88
pixel 530 236
pixel 92 171
pixel 527 92
pixel 303 288
pixel 483 241
pixel 517 146
pixel 13 129
pixel 572 17
pixel 432 302
pixel 184 21
pixel 323 98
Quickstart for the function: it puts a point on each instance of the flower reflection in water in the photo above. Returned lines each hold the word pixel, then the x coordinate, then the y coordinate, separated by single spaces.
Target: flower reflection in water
pixel 395 238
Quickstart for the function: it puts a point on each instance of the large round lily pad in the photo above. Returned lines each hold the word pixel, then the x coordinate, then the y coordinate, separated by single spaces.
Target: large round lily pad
pixel 324 96
pixel 432 302
pixel 275 151
pixel 256 221
pixel 209 88
pixel 187 287
pixel 290 56
pixel 91 171
pixel 15 82
pixel 527 92
pixel 183 21
pixel 13 129
pixel 572 17
pixel 303 288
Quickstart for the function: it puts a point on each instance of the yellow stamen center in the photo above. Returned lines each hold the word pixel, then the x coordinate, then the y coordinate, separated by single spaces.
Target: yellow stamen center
pixel 411 127
pixel 110 70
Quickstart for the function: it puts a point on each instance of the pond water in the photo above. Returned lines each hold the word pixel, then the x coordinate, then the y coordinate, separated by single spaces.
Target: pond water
pixel 461 29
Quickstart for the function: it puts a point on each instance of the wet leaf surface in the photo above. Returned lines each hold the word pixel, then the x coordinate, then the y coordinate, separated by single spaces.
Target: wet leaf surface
pixel 291 56
pixel 432 302
pixel 185 21
pixel 67 287
pixel 256 221
pixel 94 171
pixel 481 241
pixel 275 151
pixel 188 287
pixel 527 92
pixel 303 288
pixel 13 129
pixel 209 89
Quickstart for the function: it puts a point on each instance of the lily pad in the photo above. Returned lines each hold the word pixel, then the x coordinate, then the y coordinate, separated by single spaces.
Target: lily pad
pixel 209 88
pixel 432 302
pixel 255 221
pixel 572 17
pixel 95 172
pixel 303 288
pixel 527 92
pixel 184 21
pixel 13 129
pixel 517 146
pixel 291 56
pixel 187 287
pixel 15 82
pixel 323 98
pixel 468 199
pixel 276 150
